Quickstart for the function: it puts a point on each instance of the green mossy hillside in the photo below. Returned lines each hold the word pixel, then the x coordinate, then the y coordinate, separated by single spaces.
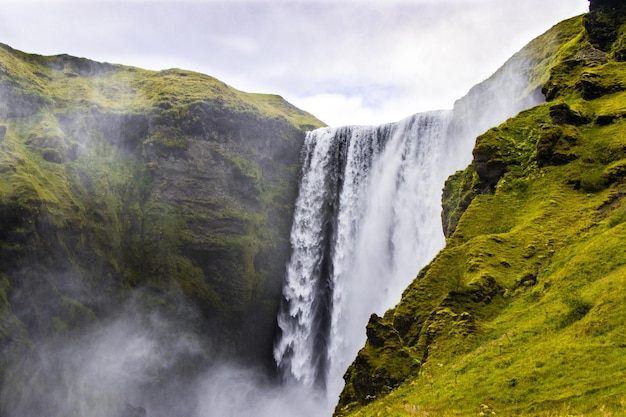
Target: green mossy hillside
pixel 114 178
pixel 523 312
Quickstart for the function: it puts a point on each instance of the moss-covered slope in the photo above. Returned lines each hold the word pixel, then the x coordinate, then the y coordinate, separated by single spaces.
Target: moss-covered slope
pixel 523 312
pixel 113 178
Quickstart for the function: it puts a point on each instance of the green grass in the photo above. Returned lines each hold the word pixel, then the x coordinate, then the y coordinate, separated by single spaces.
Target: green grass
pixel 60 80
pixel 554 348
pixel 522 314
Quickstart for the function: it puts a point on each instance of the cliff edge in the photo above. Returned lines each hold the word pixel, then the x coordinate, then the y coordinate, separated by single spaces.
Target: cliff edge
pixel 119 184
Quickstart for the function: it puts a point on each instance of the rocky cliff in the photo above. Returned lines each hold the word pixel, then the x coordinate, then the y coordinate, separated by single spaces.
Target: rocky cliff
pixel 116 182
pixel 522 313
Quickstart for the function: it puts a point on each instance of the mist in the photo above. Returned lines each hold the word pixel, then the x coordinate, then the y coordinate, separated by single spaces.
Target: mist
pixel 141 364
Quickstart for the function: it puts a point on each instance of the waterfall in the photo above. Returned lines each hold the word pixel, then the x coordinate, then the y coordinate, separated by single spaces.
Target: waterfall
pixel 366 221
pixel 367 218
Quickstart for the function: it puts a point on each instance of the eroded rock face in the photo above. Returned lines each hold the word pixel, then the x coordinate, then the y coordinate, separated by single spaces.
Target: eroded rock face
pixel 489 167
pixel 603 21
pixel 234 184
pixel 598 4
pixel 562 114
pixel 381 366
pixel 165 187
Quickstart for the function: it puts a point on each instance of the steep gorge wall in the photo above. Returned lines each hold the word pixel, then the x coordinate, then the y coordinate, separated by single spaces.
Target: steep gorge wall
pixel 168 188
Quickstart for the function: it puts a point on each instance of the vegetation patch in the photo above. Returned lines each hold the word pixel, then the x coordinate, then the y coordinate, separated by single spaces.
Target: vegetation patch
pixel 521 313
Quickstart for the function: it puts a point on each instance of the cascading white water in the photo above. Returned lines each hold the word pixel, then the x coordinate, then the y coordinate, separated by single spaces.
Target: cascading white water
pixel 363 227
pixel 368 218
pixel 386 231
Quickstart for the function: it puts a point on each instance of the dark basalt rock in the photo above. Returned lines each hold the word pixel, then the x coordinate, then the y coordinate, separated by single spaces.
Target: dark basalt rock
pixel 380 367
pixel 592 86
pixel 488 162
pixel 606 119
pixel 615 173
pixel 52 155
pixel 603 21
pixel 75 67
pixel 378 332
pixel 527 280
pixel 600 4
pixel 561 114
pixel 489 171
pixel 458 192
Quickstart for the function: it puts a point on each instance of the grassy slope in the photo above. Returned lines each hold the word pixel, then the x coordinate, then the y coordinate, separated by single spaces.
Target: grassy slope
pixel 523 313
pixel 73 83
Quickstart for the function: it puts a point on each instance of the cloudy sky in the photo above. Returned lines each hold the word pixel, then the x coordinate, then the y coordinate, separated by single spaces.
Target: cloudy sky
pixel 345 61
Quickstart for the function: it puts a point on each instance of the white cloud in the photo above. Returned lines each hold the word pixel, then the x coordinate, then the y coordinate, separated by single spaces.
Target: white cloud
pixel 338 109
pixel 328 106
pixel 369 59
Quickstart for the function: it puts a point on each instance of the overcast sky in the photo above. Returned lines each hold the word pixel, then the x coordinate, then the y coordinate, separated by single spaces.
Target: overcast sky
pixel 345 61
